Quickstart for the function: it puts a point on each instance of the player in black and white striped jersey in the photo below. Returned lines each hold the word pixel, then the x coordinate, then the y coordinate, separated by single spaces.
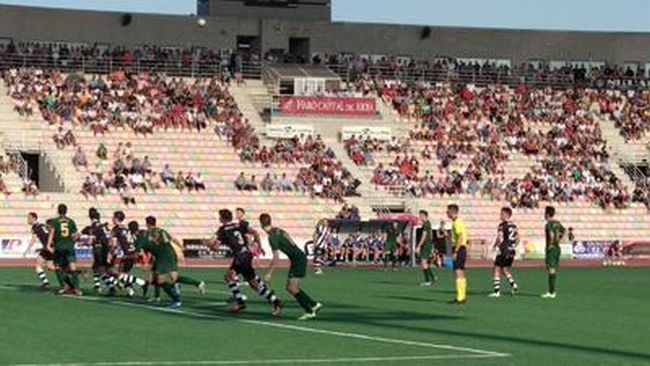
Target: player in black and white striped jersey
pixel 319 238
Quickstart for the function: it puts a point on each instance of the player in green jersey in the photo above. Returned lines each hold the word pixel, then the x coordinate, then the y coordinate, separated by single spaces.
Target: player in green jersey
pixel 280 241
pixel 554 233
pixel 159 243
pixel 62 235
pixel 425 249
pixel 390 233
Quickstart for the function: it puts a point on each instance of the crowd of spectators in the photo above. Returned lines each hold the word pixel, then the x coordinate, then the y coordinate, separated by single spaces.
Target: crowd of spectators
pixel 142 102
pixel 127 174
pixel 471 132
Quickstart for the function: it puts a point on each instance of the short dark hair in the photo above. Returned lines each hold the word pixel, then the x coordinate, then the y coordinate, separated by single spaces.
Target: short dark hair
pixel 453 208
pixel 240 210
pixel 134 227
pixel 62 209
pixel 225 215
pixel 33 214
pixel 507 211
pixel 424 212
pixel 120 216
pixel 265 220
pixel 93 214
pixel 549 211
pixel 150 220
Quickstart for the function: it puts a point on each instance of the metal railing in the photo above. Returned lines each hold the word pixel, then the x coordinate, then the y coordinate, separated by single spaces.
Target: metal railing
pixel 107 65
pixel 512 77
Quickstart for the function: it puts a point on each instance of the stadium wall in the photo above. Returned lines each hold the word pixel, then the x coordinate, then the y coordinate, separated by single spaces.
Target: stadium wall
pixel 328 37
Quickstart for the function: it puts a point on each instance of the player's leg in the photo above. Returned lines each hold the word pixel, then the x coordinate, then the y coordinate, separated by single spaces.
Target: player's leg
pixel 511 279
pixel 186 280
pixel 73 274
pixel 461 281
pixel 61 276
pixel 298 270
pixel 126 278
pixel 496 279
pixel 165 281
pixel 230 278
pixel 41 265
pixel 425 264
pixel 552 263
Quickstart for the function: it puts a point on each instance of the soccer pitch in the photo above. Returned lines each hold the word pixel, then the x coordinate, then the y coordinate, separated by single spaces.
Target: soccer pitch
pixel 370 317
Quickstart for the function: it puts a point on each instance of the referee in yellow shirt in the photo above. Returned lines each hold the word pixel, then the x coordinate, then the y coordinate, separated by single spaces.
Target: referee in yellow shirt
pixel 459 238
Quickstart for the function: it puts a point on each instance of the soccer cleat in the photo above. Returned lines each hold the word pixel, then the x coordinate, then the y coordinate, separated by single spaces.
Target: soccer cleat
pixel 202 288
pixel 456 302
pixel 308 316
pixel 77 292
pixel 155 300
pixel 45 287
pixel 66 290
pixel 317 308
pixel 237 308
pixel 495 294
pixel 426 284
pixel 277 308
pixel 318 271
pixel 549 295
pixel 514 290
pixel 175 305
pixel 130 292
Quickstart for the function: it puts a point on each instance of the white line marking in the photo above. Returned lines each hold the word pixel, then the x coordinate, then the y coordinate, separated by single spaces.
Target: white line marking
pixel 267 362
pixel 476 352
pixel 305 329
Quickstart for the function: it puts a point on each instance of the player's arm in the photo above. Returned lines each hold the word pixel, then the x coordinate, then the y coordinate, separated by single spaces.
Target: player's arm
pixel 560 233
pixel 176 242
pixel 50 239
pixel 422 240
pixel 274 260
pixel 498 240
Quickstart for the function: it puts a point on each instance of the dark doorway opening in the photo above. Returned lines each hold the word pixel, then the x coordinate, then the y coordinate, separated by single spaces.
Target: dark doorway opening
pixel 299 49
pixel 32 166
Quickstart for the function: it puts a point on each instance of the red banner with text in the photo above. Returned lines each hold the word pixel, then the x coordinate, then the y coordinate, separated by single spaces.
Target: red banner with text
pixel 328 106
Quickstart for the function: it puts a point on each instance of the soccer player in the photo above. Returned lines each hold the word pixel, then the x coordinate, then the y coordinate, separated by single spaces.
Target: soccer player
pixel 459 238
pixel 390 244
pixel 100 245
pixel 45 257
pixel 231 234
pixel 158 242
pixel 554 233
pixel 424 248
pixel 280 241
pixel 505 246
pixel 319 239
pixel 60 241
pixel 125 254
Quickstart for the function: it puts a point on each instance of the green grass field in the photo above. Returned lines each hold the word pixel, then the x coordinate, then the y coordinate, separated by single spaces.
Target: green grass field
pixel 370 317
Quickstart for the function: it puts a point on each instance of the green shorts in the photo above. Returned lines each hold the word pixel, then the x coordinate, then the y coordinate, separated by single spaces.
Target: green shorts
pixel 165 266
pixel 63 257
pixel 553 257
pixel 298 267
pixel 425 252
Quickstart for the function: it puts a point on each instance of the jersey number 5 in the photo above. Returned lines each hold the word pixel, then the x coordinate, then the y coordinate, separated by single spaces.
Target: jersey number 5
pixel 65 232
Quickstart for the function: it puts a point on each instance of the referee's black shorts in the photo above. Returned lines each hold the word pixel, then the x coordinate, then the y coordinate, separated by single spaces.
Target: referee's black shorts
pixel 461 257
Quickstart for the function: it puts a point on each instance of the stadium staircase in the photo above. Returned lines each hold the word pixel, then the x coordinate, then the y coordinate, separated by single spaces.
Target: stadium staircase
pixel 625 151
